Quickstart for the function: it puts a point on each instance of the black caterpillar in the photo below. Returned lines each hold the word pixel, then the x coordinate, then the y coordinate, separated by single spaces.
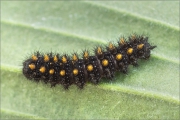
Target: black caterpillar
pixel 55 69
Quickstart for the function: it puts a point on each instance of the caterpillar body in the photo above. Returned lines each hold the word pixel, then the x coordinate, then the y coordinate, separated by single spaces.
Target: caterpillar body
pixel 61 69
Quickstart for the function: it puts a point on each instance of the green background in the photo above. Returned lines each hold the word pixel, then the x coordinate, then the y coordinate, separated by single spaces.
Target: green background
pixel 150 91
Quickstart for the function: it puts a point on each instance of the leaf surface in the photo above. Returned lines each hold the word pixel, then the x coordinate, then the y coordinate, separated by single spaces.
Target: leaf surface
pixel 150 91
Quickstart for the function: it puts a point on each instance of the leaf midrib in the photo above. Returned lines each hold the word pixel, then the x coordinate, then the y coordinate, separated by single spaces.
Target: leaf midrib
pixel 85 38
pixel 16 113
pixel 133 14
pixel 123 89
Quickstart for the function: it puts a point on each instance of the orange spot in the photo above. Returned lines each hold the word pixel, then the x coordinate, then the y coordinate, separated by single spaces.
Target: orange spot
pixel 55 59
pixel 118 56
pixel 130 51
pixel 62 72
pixel 105 62
pixel 111 46
pixel 75 71
pixel 75 58
pixel 51 71
pixel 64 59
pixel 86 55
pixel 140 46
pixel 99 50
pixel 90 67
pixel 46 58
pixel 42 69
pixel 34 58
pixel 122 41
pixel 32 66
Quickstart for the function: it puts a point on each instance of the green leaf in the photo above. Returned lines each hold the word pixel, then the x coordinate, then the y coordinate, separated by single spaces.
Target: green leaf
pixel 150 91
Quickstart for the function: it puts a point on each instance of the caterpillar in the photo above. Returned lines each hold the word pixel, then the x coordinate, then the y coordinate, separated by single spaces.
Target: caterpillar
pixel 61 69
